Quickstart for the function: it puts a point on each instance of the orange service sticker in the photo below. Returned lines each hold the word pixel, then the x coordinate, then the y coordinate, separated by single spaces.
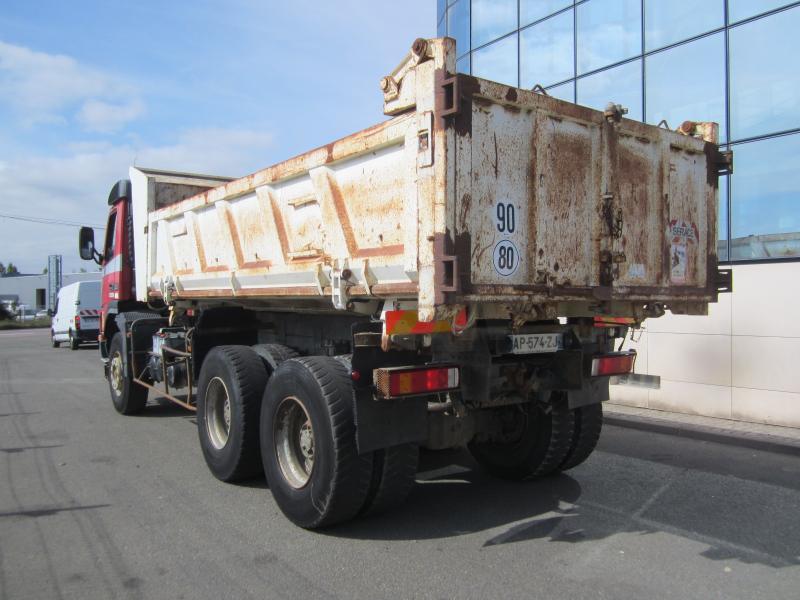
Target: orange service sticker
pixel 405 322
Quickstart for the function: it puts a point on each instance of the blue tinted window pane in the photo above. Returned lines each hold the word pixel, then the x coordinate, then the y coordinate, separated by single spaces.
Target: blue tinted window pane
pixel 765 206
pixel 676 20
pixel 722 219
pixel 458 25
pixel 621 85
pixel 462 64
pixel 492 19
pixel 608 32
pixel 547 51
pixel 441 5
pixel 687 83
pixel 533 10
pixel 742 9
pixel 497 61
pixel 441 28
pixel 765 79
pixel 565 91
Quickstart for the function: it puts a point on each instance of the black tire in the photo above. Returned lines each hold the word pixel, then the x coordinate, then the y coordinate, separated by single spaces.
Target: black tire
pixel 236 377
pixel 73 341
pixel 543 442
pixel 313 395
pixel 53 339
pixel 588 425
pixel 128 397
pixel 393 472
pixel 274 354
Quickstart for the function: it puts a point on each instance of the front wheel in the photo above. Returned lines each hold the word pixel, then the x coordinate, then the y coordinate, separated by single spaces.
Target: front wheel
pixel 128 397
pixel 308 443
pixel 53 339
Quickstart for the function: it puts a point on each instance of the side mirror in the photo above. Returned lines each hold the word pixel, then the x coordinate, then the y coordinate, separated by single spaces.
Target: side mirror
pixel 86 243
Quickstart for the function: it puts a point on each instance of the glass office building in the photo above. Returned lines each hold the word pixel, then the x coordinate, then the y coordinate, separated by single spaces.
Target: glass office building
pixel 733 62
pixel 730 61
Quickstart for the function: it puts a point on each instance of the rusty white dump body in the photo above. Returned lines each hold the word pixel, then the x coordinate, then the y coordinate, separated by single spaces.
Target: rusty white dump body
pixel 472 193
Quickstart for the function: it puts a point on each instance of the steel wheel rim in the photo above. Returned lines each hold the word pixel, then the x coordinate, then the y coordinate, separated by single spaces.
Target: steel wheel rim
pixel 218 413
pixel 115 373
pixel 294 442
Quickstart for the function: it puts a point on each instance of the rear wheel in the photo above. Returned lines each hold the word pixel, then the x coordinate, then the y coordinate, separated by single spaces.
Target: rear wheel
pixel 588 425
pixel 73 341
pixel 536 443
pixel 308 443
pixel 393 473
pixel 229 391
pixel 274 354
pixel 128 397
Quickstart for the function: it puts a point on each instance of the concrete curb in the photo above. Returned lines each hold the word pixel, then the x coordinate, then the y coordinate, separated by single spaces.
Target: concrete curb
pixel 746 439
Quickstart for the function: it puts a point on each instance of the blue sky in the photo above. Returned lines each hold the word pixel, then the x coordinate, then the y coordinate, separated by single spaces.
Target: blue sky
pixel 87 88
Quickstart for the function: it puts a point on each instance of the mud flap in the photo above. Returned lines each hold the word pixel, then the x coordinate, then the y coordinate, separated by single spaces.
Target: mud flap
pixel 386 423
pixel 593 391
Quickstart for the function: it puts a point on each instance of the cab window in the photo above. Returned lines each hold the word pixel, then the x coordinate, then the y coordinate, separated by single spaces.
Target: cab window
pixel 111 237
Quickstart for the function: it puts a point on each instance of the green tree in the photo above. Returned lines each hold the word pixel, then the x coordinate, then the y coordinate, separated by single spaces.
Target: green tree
pixel 11 269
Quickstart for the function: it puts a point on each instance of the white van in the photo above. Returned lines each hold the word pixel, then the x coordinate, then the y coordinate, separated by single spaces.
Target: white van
pixel 77 314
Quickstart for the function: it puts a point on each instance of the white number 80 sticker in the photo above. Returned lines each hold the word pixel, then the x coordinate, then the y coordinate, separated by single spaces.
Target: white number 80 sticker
pixel 505 258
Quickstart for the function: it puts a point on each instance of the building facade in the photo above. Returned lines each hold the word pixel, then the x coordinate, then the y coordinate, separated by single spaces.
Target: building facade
pixel 729 61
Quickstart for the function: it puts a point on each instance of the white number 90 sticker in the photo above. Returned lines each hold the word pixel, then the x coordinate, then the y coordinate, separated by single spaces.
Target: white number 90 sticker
pixel 505 258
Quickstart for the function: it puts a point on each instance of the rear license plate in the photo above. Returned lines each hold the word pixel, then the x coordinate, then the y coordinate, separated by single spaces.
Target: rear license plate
pixel 535 343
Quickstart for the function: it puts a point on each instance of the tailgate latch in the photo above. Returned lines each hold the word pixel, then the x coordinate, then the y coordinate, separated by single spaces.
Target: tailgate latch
pixel 724 162
pixel 724 281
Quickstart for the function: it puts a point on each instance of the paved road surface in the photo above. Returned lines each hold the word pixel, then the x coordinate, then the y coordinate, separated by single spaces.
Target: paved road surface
pixel 96 505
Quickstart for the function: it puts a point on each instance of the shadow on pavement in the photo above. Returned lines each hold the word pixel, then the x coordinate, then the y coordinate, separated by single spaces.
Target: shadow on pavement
pixel 462 500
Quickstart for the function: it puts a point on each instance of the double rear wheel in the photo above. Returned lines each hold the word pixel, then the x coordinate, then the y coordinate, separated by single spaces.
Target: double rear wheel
pixel 542 441
pixel 308 447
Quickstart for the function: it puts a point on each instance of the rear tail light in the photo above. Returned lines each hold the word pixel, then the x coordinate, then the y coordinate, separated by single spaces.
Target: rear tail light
pixel 613 364
pixel 77 322
pixel 411 381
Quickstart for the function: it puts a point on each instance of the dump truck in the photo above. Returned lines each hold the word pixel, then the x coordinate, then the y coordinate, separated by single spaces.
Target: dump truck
pixel 462 274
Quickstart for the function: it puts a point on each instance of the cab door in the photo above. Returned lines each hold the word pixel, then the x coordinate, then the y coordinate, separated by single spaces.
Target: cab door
pixel 112 260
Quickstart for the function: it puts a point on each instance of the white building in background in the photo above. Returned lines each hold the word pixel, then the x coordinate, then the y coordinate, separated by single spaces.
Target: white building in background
pixel 31 290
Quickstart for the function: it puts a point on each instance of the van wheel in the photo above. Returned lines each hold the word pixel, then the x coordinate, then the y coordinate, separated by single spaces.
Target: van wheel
pixel 229 391
pixel 308 443
pixel 588 425
pixel 53 339
pixel 536 443
pixel 128 397
pixel 73 341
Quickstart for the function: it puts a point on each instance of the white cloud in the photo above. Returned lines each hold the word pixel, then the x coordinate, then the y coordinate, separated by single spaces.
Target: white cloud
pixel 105 117
pixel 74 186
pixel 47 88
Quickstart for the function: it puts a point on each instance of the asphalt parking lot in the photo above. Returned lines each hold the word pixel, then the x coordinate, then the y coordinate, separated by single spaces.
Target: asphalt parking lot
pixel 96 505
